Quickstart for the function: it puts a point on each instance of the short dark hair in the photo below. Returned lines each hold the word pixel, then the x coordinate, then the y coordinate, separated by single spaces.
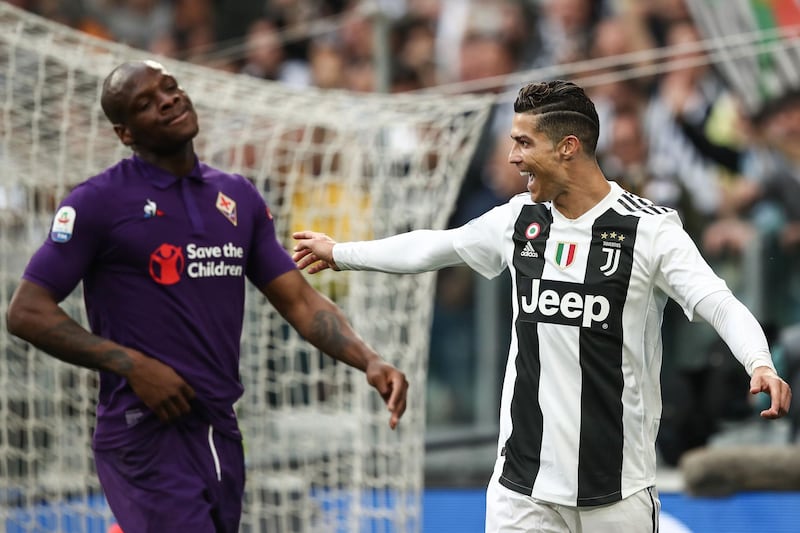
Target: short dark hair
pixel 564 109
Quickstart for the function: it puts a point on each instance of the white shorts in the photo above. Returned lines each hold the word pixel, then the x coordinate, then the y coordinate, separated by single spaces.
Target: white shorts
pixel 508 511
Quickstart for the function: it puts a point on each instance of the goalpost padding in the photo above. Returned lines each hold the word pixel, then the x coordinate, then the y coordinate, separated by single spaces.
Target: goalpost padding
pixel 320 454
pixel 725 470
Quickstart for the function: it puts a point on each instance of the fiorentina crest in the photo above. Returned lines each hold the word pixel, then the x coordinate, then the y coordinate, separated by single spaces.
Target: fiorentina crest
pixel 227 207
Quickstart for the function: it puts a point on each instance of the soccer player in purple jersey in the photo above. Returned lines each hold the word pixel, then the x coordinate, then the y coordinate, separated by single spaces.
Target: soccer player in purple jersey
pixel 592 266
pixel 163 244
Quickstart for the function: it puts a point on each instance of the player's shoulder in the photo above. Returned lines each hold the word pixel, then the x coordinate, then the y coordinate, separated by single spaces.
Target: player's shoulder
pixel 235 189
pixel 210 173
pixel 105 184
pixel 655 222
pixel 635 205
pixel 525 202
pixel 518 201
pixel 511 207
pixel 521 198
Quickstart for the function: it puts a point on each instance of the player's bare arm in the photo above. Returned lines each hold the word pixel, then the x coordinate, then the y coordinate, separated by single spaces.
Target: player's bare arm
pixel 33 315
pixel 765 379
pixel 323 324
pixel 313 251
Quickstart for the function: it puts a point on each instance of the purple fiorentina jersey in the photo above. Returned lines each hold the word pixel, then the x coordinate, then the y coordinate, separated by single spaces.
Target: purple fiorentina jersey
pixel 163 262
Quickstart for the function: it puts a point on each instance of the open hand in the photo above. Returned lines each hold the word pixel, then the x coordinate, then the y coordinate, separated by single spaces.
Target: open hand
pixel 313 251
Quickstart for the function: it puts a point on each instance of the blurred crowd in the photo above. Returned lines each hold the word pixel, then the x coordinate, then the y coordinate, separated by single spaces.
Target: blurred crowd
pixel 677 136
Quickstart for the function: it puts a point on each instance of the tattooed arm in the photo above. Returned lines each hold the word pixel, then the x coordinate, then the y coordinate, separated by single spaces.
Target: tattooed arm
pixel 35 316
pixel 322 323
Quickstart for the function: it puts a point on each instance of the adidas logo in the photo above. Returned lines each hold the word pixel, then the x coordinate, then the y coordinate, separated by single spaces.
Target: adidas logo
pixel 528 251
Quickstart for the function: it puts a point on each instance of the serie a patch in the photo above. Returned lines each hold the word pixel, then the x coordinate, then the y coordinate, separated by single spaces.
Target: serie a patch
pixel 63 224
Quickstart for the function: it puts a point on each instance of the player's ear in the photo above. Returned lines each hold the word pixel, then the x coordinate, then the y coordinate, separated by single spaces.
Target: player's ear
pixel 569 146
pixel 124 134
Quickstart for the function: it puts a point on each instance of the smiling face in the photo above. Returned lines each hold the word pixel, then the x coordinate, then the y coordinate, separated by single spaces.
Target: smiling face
pixel 537 158
pixel 149 110
pixel 554 137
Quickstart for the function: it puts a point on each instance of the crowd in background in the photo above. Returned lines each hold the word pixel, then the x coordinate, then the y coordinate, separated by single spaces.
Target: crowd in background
pixel 677 137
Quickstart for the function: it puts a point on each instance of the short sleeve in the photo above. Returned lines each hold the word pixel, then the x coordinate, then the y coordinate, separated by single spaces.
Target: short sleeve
pixel 78 229
pixel 268 259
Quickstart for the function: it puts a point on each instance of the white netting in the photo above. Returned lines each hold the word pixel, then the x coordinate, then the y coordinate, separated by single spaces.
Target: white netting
pixel 320 454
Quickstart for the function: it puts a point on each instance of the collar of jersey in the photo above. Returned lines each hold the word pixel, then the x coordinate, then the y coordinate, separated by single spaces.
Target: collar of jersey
pixel 163 179
pixel 595 211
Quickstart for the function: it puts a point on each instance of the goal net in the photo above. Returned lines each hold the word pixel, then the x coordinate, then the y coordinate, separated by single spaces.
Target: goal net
pixel 320 454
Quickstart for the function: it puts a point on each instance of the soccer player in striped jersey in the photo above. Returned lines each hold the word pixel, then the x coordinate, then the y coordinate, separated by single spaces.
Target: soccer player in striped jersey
pixel 592 267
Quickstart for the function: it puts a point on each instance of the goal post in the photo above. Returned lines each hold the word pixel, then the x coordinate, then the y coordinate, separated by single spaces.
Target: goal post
pixel 320 454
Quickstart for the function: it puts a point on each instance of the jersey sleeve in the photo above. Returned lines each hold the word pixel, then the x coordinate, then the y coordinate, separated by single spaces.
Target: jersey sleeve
pixel 405 253
pixel 268 259
pixel 682 272
pixel 738 328
pixel 480 241
pixel 78 228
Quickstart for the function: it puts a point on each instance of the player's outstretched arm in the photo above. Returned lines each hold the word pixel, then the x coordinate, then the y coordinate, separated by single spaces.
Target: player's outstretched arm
pixel 313 251
pixel 765 379
pixel 35 316
pixel 411 252
pixel 323 324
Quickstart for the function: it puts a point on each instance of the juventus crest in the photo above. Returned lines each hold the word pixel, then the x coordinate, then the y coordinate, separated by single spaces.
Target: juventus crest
pixel 612 245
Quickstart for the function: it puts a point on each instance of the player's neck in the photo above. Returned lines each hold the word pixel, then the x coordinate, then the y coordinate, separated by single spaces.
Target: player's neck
pixel 582 196
pixel 180 163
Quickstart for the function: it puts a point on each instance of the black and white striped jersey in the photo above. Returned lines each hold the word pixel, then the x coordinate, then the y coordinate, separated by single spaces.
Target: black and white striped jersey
pixel 581 399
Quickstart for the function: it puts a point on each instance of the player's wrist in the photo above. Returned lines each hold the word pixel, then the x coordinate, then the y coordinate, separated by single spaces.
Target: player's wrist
pixel 763 369
pixel 123 361
pixel 371 358
pixel 333 260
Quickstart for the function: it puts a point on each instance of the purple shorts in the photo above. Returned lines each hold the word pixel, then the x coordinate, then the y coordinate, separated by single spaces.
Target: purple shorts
pixel 183 478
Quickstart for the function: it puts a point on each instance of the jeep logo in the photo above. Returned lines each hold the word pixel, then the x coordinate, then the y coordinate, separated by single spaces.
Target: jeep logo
pixel 571 308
